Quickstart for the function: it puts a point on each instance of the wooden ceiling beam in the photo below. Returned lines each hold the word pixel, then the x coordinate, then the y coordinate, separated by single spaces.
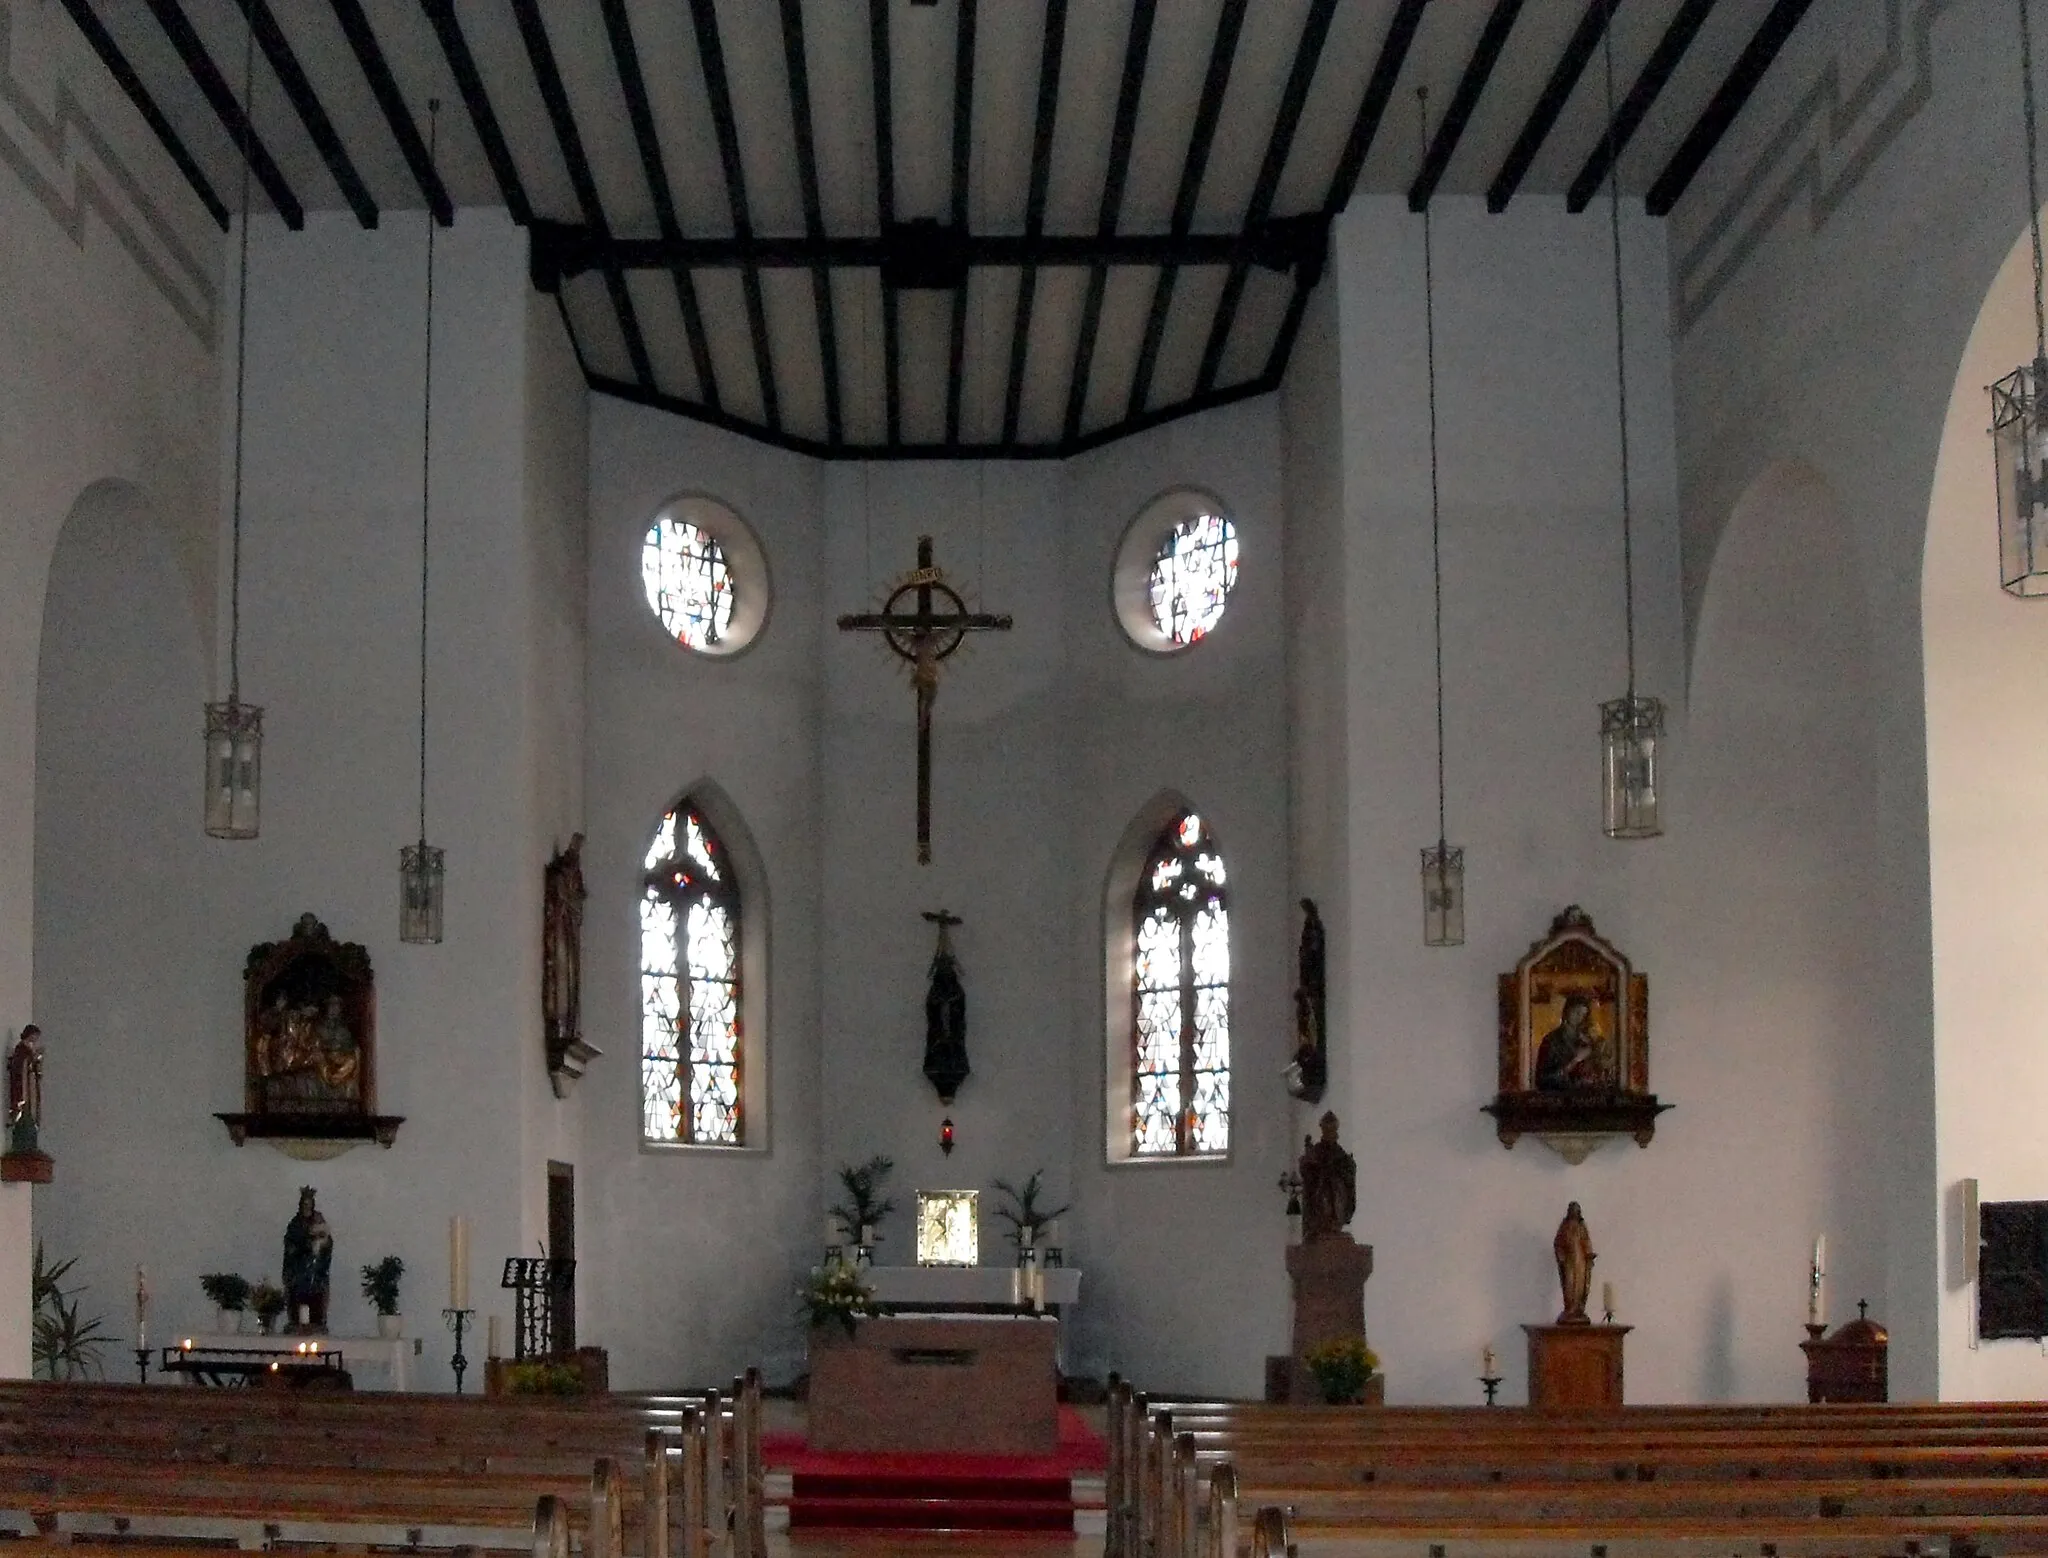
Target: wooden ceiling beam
pixel 483 118
pixel 1713 122
pixel 1458 112
pixel 1208 110
pixel 547 76
pixel 1034 206
pixel 718 96
pixel 110 55
pixel 963 169
pixel 1628 117
pixel 1557 91
pixel 284 63
pixel 885 199
pixel 1308 52
pixel 633 84
pixel 362 40
pixel 1137 48
pixel 797 68
pixel 206 75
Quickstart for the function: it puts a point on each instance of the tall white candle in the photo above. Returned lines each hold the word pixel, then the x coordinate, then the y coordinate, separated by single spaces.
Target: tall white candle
pixel 1486 1362
pixel 1816 1300
pixel 141 1307
pixel 831 1231
pixel 494 1344
pixel 1607 1297
pixel 458 1263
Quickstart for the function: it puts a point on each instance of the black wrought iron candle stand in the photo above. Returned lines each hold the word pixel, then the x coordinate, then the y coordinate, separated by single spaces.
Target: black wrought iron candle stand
pixel 1491 1384
pixel 458 1322
pixel 142 1364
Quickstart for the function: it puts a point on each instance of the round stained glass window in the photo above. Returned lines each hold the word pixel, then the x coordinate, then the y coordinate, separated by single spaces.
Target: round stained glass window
pixel 689 584
pixel 1193 572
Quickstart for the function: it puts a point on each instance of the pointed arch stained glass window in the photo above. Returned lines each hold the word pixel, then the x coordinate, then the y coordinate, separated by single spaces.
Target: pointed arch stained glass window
pixel 1180 1046
pixel 690 986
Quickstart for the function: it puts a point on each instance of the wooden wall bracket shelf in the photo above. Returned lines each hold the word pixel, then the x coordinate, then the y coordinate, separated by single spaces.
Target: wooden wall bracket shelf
pixel 326 1136
pixel 1574 1125
pixel 27 1168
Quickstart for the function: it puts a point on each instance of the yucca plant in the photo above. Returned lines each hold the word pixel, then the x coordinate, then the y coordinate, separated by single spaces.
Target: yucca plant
pixel 65 1345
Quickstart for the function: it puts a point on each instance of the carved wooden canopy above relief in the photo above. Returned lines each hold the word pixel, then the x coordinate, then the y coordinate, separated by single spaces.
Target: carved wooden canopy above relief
pixel 1574 1043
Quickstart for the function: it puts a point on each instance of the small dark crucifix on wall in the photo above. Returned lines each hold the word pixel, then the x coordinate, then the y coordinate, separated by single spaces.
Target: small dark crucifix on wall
pixel 924 620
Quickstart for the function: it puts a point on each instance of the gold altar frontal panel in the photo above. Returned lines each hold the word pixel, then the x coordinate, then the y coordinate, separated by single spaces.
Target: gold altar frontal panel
pixel 973 1384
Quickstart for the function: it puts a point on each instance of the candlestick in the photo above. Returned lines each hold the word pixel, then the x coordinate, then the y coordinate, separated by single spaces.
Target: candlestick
pixel 458 1320
pixel 458 1263
pixel 1490 1383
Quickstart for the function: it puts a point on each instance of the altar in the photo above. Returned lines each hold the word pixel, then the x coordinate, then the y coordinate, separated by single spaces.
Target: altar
pixel 984 1384
pixel 973 1287
pixel 386 1359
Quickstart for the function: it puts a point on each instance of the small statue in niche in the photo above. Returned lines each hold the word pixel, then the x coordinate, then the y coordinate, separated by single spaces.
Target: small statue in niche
pixel 1573 1248
pixel 25 1091
pixel 945 1015
pixel 1329 1185
pixel 308 1254
pixel 1309 1072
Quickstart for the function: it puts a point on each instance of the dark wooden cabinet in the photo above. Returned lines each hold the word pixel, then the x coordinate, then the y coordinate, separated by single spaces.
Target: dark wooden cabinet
pixel 1575 1368
pixel 1852 1365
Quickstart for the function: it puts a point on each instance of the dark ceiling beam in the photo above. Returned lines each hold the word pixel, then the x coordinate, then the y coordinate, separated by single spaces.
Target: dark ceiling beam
pixel 1458 113
pixel 362 39
pixel 885 198
pixel 1629 116
pixel 633 84
pixel 128 81
pixel 1288 243
pixel 1207 111
pixel 199 64
pixel 1308 52
pixel 963 168
pixel 1365 128
pixel 718 94
pixel 470 83
pixel 1124 129
pixel 1159 416
pixel 541 55
pixel 797 68
pixel 320 129
pixel 1557 91
pixel 1726 103
pixel 1034 206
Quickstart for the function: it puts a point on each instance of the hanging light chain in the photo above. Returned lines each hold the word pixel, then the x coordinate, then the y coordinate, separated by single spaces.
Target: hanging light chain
pixel 241 372
pixel 427 464
pixel 1436 553
pixel 2033 182
pixel 1628 568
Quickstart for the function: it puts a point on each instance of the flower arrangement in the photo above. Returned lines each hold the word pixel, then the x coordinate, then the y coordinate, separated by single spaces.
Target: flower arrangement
pixel 836 1295
pixel 229 1293
pixel 1022 1213
pixel 865 1205
pixel 1341 1368
pixel 542 1378
pixel 268 1300
pixel 380 1284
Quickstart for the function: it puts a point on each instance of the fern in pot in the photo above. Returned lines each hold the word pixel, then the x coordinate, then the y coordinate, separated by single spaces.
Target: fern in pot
pixel 380 1287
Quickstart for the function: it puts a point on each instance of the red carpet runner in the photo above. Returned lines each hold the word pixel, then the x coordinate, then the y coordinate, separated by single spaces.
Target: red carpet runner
pixel 938 1492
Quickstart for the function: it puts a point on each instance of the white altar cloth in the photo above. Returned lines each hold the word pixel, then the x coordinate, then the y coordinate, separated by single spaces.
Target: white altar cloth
pixel 970 1284
pixel 389 1359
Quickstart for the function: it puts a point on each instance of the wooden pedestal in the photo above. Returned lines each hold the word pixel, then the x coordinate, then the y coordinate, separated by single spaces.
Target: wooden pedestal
pixel 1852 1365
pixel 1575 1368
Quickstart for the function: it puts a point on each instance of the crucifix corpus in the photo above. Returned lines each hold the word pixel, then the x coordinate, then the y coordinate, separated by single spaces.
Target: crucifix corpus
pixel 924 620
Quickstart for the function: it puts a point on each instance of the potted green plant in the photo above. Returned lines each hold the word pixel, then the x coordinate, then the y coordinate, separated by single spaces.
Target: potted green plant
pixel 230 1295
pixel 1022 1211
pixel 835 1295
pixel 380 1287
pixel 63 1345
pixel 267 1299
pixel 865 1206
pixel 1341 1368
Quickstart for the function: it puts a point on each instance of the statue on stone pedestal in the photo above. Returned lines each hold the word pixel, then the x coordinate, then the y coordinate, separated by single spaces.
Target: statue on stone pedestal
pixel 1329 1185
pixel 308 1253
pixel 25 1091
pixel 1573 1248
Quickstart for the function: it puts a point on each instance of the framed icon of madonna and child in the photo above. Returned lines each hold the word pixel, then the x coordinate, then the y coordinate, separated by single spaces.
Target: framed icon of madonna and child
pixel 1574 1044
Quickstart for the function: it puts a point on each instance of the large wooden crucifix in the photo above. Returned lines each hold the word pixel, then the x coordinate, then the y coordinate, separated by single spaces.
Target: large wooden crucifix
pixel 924 620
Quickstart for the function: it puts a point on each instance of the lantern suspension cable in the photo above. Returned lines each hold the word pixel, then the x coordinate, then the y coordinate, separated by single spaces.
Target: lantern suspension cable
pixel 422 868
pixel 1630 726
pixel 233 729
pixel 2019 419
pixel 1443 867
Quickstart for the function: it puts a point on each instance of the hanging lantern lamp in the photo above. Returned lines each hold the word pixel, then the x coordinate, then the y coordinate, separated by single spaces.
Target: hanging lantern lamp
pixel 2019 419
pixel 422 868
pixel 1443 863
pixel 1631 727
pixel 234 729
